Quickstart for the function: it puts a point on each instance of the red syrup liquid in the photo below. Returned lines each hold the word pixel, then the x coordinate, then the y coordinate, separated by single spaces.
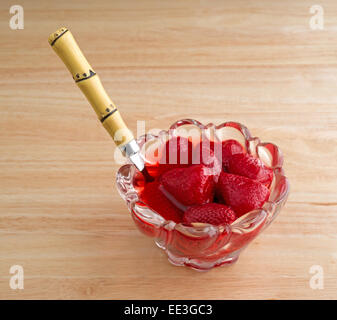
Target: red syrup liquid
pixel 152 193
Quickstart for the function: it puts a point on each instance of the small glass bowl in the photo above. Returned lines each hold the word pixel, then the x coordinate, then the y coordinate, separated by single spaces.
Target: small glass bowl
pixel 204 246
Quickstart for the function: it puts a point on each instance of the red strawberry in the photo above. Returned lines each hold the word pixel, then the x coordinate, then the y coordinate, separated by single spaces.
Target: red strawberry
pixel 189 186
pixel 203 154
pixel 240 193
pixel 229 149
pixel 212 213
pixel 250 167
pixel 225 150
pixel 156 200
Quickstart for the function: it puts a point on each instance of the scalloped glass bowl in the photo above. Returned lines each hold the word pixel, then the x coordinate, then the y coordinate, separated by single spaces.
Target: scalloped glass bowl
pixel 204 246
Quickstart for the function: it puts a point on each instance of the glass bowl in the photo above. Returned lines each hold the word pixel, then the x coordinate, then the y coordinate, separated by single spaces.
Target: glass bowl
pixel 204 246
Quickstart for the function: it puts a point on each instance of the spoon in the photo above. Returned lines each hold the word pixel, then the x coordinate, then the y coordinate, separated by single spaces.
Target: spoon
pixel 64 44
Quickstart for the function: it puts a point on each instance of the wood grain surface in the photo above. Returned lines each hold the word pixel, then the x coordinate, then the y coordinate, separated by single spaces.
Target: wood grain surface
pixel 254 62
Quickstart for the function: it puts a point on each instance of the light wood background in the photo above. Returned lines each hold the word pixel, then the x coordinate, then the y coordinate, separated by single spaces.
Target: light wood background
pixel 255 62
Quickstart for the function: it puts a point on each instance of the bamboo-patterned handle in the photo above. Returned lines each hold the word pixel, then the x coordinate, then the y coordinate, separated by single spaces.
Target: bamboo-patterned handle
pixel 64 44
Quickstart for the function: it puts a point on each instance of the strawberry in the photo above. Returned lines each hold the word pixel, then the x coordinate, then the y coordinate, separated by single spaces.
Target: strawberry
pixel 229 149
pixel 240 193
pixel 156 200
pixel 189 186
pixel 203 154
pixel 225 150
pixel 212 213
pixel 250 167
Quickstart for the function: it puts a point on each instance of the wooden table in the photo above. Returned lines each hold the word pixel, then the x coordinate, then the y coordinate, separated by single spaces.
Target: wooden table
pixel 258 63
